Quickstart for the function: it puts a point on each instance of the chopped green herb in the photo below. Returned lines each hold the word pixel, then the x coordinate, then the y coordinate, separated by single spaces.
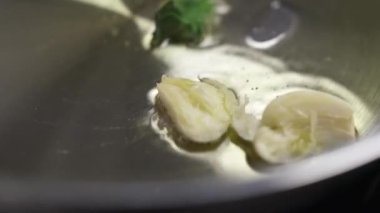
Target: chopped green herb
pixel 182 21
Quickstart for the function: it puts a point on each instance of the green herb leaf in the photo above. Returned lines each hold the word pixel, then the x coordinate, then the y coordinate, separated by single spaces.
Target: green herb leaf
pixel 182 21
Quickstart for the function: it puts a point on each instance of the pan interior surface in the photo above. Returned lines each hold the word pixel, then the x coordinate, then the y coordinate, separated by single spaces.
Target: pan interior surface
pixel 75 79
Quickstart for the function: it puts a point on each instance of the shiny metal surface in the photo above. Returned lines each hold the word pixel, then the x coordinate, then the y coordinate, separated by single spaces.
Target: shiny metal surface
pixel 74 79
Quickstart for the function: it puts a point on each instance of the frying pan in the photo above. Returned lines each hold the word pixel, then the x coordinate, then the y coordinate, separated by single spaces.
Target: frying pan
pixel 74 114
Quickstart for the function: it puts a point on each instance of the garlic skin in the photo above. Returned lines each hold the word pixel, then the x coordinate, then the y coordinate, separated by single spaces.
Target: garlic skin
pixel 301 123
pixel 200 111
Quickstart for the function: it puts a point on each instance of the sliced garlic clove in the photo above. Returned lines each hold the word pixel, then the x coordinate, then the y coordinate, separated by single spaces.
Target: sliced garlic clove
pixel 245 124
pixel 279 147
pixel 328 131
pixel 197 109
pixel 230 98
pixel 301 123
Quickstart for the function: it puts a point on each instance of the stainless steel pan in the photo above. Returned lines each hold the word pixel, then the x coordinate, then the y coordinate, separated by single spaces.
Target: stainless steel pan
pixel 74 77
